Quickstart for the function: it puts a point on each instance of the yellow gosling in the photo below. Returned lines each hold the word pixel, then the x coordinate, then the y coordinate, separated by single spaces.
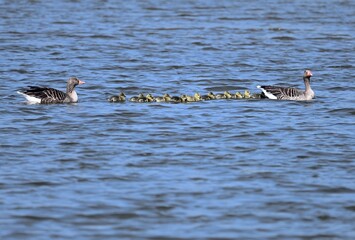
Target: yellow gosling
pixel 227 95
pixel 190 99
pixel 121 97
pixel 197 97
pixel 167 97
pixel 137 98
pixel 238 95
pixel 220 96
pixel 159 99
pixel 149 98
pixel 246 94
pixel 211 95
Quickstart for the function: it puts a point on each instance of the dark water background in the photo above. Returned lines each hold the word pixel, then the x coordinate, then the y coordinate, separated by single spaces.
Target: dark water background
pixel 242 169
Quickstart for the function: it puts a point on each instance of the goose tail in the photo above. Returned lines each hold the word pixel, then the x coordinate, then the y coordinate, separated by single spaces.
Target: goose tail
pixel 29 98
pixel 267 94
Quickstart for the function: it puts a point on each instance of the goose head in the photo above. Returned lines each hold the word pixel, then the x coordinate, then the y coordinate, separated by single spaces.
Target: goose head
pixel 307 73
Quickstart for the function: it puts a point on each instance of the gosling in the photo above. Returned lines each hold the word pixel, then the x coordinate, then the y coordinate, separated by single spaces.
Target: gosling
pixel 246 94
pixel 120 98
pixel 165 98
pixel 137 98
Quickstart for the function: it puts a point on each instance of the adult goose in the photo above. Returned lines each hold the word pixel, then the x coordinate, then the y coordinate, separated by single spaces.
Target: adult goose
pixel 44 95
pixel 284 93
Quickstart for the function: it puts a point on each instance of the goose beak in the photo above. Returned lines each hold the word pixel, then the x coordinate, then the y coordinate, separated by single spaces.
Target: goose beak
pixel 81 82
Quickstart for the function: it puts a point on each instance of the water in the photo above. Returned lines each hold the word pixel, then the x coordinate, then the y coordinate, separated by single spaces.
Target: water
pixel 247 169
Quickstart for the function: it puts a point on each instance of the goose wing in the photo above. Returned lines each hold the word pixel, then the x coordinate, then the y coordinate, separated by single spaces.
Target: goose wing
pixel 47 95
pixel 275 92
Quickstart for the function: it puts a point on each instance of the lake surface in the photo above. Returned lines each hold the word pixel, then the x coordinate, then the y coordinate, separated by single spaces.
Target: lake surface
pixel 232 169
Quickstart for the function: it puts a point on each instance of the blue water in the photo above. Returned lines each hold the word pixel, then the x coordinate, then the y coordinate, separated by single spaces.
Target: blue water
pixel 233 169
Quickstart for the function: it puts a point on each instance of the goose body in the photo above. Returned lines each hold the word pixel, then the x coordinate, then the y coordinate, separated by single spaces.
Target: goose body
pixel 45 95
pixel 285 93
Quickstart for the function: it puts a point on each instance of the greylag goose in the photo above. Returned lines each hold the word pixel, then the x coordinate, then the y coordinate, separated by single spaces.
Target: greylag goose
pixel 282 93
pixel 44 95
